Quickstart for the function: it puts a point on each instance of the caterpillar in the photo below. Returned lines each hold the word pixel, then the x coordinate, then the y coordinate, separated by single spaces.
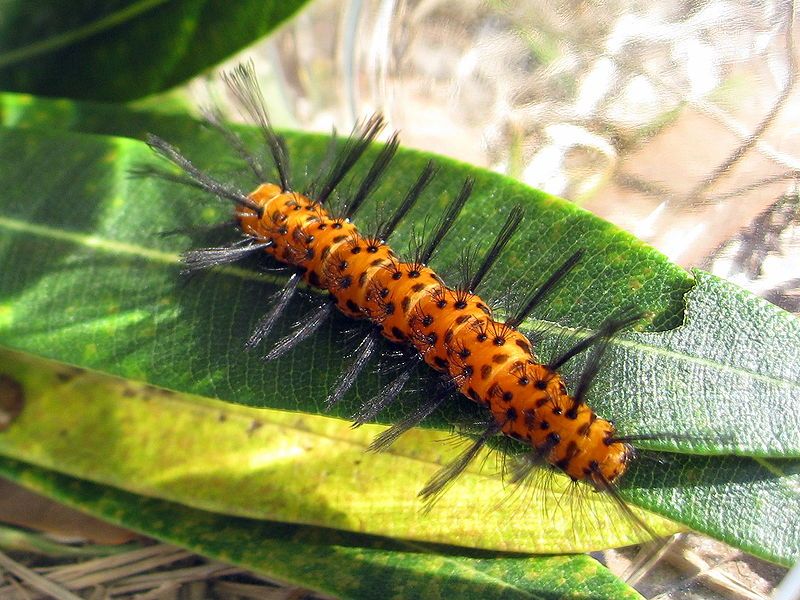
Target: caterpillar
pixel 451 329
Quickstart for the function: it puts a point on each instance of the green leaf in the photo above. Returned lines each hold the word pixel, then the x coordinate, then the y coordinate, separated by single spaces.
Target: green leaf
pixel 277 465
pixel 132 48
pixel 92 283
pixel 344 565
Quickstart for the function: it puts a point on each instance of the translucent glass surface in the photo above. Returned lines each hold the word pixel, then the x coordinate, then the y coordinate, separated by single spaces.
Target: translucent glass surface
pixel 676 120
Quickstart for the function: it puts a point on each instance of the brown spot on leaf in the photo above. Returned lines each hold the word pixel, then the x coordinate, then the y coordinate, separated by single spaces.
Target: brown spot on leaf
pixel 69 373
pixel 12 400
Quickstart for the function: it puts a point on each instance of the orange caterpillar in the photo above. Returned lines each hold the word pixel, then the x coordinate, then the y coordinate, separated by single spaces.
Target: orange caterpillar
pixel 452 330
pixel 491 363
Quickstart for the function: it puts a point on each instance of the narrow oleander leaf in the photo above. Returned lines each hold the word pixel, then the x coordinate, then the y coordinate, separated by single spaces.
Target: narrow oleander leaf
pixel 333 562
pixel 131 48
pixel 278 465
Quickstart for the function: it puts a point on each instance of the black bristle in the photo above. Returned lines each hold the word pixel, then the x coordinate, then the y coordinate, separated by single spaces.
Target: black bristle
pixel 446 222
pixel 267 322
pixel 303 330
pixel 509 227
pixel 213 118
pixel 243 83
pixel 374 175
pixel 448 474
pixel 413 194
pixel 204 258
pixel 598 342
pixel 544 290
pixel 385 397
pixel 414 418
pixel 362 136
pixel 203 181
pixel 364 353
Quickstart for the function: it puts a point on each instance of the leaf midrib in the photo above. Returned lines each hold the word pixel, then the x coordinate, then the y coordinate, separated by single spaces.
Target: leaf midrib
pixel 174 259
pixel 116 248
pixel 66 38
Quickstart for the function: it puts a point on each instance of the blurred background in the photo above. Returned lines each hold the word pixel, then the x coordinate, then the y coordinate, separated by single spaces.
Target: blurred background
pixel 675 120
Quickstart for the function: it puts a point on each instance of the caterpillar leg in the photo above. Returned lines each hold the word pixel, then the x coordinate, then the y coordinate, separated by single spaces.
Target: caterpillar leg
pixel 305 329
pixel 267 322
pixel 364 353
